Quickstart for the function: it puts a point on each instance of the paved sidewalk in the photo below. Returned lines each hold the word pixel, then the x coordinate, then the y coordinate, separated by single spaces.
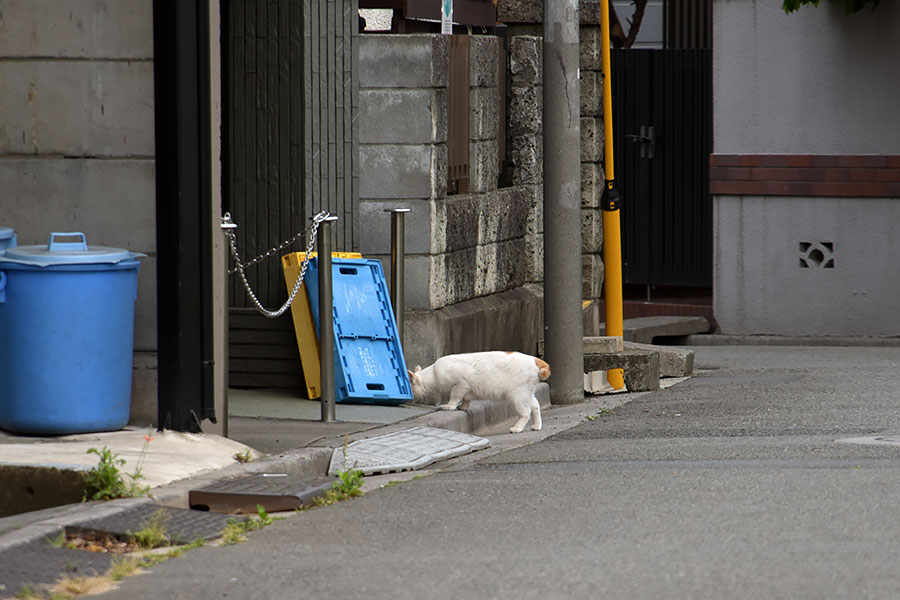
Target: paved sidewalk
pixel 175 463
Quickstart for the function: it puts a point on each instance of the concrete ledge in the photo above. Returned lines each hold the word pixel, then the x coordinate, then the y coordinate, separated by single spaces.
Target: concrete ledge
pixel 673 362
pixel 641 367
pixel 642 330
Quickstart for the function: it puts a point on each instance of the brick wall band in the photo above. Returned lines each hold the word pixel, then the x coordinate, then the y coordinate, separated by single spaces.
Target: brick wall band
pixel 857 176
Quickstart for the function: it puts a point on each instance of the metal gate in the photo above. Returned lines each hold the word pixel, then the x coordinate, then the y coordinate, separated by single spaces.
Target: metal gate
pixel 662 125
pixel 290 148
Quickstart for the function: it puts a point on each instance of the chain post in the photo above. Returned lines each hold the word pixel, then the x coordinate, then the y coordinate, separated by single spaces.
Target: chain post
pixel 326 322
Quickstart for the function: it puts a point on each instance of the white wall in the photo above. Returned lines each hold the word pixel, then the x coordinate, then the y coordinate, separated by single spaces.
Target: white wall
pixel 816 81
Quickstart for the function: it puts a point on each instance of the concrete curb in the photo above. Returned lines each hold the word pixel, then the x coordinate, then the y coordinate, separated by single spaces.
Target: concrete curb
pixel 302 462
pixel 720 339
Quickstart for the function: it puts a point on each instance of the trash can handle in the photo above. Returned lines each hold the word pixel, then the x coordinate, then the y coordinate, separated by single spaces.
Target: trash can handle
pixel 2 287
pixel 67 246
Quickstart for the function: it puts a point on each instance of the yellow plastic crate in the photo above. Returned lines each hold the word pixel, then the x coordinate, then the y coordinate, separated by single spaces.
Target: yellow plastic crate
pixel 304 326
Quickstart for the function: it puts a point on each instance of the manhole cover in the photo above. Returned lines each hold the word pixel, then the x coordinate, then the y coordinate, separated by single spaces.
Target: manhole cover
pixel 405 450
pixel 273 491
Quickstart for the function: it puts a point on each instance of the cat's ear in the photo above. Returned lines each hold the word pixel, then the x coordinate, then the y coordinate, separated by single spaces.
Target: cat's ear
pixel 418 368
pixel 412 376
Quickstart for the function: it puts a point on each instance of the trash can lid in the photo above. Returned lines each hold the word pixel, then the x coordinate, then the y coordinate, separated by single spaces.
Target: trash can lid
pixel 6 233
pixel 66 253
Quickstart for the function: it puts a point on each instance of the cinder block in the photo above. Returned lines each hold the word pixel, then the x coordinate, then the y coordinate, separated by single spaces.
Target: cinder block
pixel 525 61
pixel 483 58
pixel 439 171
pixel 77 108
pixel 527 155
pixel 403 61
pixel 591 139
pixel 534 258
pixel 400 116
pixel 591 231
pixel 525 111
pixel 396 171
pixel 590 45
pixel 498 267
pixel 641 368
pixel 591 184
pixel 591 94
pixel 89 29
pixel 591 276
pixel 483 166
pixel 484 113
pixel 673 362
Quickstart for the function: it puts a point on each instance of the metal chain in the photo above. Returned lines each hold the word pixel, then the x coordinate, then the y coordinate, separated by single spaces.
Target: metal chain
pixel 228 226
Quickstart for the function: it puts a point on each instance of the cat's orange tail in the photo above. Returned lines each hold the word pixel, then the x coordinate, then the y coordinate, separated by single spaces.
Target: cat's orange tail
pixel 543 368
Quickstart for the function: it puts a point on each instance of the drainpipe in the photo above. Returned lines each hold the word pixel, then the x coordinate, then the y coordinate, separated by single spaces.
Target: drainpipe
pixel 563 325
pixel 612 235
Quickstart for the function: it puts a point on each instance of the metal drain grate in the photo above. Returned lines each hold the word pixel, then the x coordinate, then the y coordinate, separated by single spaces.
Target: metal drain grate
pixel 182 526
pixel 273 491
pixel 39 563
pixel 405 450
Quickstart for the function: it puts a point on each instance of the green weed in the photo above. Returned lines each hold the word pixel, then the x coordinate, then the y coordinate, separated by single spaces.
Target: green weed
pixel 243 457
pixel 153 535
pixel 236 530
pixel 105 482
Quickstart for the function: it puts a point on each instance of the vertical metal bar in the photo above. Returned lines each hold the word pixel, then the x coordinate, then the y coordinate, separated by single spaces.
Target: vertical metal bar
pixel 563 322
pixel 326 321
pixel 398 253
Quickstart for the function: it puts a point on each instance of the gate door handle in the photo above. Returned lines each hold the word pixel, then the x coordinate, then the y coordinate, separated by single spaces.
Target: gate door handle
pixel 647 140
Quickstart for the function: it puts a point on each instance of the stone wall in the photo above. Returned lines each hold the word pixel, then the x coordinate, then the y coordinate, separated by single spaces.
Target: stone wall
pixel 525 135
pixel 466 264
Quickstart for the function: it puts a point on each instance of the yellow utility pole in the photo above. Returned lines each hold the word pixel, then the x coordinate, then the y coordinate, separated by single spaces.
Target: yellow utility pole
pixel 612 236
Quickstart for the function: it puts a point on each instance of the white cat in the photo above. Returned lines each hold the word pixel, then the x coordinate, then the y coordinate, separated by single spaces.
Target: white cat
pixel 487 376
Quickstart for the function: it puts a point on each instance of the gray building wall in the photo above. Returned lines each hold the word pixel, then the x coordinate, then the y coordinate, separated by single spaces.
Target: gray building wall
pixel 816 82
pixel 77 139
pixel 77 148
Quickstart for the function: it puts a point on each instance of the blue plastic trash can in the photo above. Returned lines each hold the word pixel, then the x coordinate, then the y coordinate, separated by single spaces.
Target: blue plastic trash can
pixel 66 336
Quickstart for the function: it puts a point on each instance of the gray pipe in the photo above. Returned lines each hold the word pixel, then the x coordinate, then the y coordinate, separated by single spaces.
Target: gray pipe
pixel 326 321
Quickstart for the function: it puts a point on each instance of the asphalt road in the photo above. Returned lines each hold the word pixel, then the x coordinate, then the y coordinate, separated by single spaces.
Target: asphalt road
pixel 729 485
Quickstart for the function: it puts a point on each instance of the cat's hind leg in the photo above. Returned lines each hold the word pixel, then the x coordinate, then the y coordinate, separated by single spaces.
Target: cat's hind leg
pixel 522 406
pixel 536 422
pixel 458 392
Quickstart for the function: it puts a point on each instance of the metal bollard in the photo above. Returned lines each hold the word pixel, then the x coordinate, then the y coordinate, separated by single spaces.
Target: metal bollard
pixel 326 321
pixel 398 252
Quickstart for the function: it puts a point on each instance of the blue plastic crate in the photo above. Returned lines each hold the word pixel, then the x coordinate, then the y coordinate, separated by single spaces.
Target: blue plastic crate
pixel 369 367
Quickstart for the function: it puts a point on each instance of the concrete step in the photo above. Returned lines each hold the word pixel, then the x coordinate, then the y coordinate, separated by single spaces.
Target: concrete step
pixel 644 329
pixel 673 362
pixel 641 367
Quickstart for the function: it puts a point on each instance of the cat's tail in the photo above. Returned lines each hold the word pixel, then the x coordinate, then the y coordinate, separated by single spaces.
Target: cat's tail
pixel 543 368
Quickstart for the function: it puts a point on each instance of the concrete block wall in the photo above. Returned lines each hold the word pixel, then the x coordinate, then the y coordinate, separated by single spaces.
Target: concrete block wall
pixel 466 264
pixel 458 247
pixel 526 147
pixel 77 140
